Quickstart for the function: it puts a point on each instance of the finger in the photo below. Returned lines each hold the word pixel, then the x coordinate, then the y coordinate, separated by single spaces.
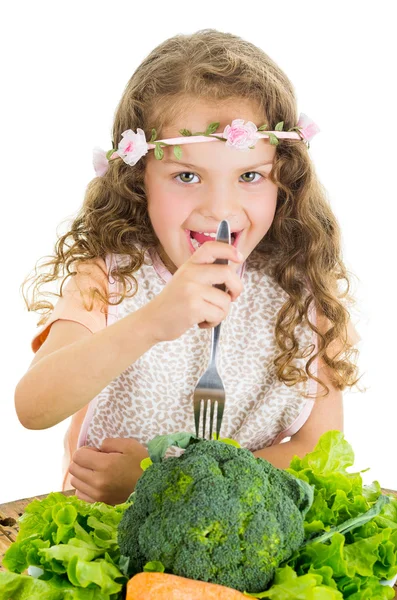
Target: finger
pixel 219 274
pixel 217 298
pixel 84 497
pixel 121 445
pixel 213 315
pixel 83 488
pixel 90 458
pixel 210 251
pixel 83 474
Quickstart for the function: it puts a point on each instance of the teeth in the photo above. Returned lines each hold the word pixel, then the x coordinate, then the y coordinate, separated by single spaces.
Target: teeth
pixel 213 235
pixel 195 243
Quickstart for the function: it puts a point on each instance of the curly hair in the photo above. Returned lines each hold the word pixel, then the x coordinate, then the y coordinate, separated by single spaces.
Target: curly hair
pixel 303 244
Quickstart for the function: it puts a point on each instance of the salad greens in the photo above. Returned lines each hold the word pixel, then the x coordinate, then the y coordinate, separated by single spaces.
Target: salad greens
pixel 73 543
pixel 350 541
pixel 352 553
pixel 287 585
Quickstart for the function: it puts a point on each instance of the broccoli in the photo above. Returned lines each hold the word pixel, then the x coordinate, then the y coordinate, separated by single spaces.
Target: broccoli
pixel 216 514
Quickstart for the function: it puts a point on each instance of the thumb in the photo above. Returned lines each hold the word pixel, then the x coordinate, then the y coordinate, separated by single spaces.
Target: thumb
pixel 121 445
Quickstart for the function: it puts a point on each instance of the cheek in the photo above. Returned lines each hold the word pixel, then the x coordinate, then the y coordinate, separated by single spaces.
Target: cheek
pixel 166 210
pixel 262 212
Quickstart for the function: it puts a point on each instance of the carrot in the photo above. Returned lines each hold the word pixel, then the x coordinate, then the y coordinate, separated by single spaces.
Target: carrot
pixel 162 586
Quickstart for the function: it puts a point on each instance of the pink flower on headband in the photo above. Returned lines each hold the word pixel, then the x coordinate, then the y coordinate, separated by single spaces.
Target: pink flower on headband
pixel 100 162
pixel 240 136
pixel 133 146
pixel 307 127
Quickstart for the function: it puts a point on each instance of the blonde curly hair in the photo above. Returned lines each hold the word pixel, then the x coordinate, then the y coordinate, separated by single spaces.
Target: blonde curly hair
pixel 303 244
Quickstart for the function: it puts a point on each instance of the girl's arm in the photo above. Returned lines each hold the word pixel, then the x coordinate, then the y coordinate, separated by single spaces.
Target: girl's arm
pixel 75 365
pixel 326 414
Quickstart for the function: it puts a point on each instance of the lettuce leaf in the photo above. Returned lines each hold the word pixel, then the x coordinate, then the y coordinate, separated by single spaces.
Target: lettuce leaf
pixel 288 585
pixel 60 520
pixel 25 587
pixel 339 495
pixel 351 529
pixel 75 545
pixel 158 446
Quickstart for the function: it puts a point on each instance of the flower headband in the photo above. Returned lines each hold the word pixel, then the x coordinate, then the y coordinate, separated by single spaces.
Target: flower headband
pixel 238 135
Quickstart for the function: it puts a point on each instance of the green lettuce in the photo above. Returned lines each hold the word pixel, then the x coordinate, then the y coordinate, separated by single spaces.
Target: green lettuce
pixel 74 543
pixel 351 529
pixel 23 587
pixel 287 585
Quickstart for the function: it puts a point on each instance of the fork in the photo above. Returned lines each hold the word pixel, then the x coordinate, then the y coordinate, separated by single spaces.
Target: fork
pixel 209 388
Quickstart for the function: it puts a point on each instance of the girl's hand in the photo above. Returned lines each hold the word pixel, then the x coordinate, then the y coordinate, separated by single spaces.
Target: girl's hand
pixel 190 298
pixel 107 474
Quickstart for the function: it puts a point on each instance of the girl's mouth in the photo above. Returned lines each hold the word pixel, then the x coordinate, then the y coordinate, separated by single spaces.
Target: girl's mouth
pixel 198 238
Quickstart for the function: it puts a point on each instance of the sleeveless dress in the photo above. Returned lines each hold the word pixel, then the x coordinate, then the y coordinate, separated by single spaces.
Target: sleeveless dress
pixel 154 395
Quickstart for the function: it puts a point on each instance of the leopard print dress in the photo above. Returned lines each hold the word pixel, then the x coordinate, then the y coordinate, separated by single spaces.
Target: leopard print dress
pixel 154 395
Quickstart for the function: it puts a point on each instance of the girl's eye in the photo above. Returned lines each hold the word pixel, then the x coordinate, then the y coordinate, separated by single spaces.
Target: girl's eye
pixel 252 173
pixel 187 174
pixel 250 180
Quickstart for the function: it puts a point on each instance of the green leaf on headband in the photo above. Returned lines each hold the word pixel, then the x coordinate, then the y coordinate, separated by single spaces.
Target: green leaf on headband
pixel 263 127
pixel 109 154
pixel 279 126
pixel 154 135
pixel 158 152
pixel 273 139
pixel 185 132
pixel 212 127
pixel 178 152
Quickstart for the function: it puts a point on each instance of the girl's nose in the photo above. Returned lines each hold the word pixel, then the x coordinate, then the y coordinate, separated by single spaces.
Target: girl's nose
pixel 220 204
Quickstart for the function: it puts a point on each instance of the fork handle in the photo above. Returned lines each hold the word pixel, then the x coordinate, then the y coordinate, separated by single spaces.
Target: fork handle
pixel 223 235
pixel 221 261
pixel 215 333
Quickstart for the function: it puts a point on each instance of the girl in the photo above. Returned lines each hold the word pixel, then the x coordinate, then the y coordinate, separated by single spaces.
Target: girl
pixel 122 349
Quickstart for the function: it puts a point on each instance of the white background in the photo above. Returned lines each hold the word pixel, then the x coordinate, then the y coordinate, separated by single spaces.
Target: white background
pixel 64 68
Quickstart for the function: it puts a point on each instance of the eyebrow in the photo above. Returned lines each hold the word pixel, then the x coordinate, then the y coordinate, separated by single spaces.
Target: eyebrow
pixel 169 161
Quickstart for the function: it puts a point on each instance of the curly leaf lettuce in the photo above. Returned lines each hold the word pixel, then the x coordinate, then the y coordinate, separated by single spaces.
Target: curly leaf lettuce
pixel 288 585
pixel 350 529
pixel 73 542
pixel 339 495
pixel 24 587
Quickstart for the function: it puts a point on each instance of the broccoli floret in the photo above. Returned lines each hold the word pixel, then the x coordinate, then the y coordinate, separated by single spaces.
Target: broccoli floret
pixel 216 514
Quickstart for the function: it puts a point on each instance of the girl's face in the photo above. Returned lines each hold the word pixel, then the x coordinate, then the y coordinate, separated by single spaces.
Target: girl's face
pixel 210 183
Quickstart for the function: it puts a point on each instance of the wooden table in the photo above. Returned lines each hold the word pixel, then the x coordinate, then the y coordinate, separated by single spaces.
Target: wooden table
pixel 10 511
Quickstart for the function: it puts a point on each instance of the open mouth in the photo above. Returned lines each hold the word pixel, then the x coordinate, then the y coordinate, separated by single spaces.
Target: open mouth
pixel 198 238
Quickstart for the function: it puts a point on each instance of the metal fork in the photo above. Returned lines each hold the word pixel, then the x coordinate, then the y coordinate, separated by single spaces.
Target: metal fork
pixel 209 387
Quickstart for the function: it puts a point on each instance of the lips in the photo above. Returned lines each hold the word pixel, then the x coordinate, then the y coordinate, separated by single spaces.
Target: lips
pixel 202 238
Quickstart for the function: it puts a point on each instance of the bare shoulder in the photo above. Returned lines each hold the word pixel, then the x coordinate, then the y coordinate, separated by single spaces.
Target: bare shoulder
pixel 91 273
pixel 77 313
pixel 324 324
